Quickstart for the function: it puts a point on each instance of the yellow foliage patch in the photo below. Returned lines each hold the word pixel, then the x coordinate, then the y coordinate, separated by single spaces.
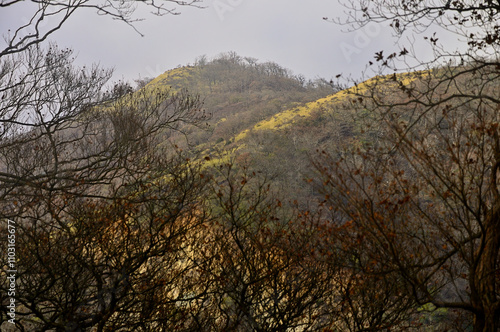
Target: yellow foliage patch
pixel 287 118
pixel 167 78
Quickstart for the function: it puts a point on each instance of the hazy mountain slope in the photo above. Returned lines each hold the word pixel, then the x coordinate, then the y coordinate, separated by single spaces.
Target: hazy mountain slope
pixel 282 144
pixel 238 93
pixel 265 118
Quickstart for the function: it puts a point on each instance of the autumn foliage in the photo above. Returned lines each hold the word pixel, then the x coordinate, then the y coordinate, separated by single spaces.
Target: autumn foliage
pixel 374 209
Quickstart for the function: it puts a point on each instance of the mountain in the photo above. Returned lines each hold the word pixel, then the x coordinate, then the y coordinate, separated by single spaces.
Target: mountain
pixel 266 119
pixel 238 92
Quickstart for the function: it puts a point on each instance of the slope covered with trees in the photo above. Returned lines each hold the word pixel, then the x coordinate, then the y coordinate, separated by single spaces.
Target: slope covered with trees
pixel 231 195
pixel 239 91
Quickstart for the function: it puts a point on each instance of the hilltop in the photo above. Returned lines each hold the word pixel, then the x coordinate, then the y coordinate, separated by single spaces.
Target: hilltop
pixel 265 118
pixel 238 92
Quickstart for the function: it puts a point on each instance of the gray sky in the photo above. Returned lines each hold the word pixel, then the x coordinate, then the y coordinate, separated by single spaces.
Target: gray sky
pixel 289 32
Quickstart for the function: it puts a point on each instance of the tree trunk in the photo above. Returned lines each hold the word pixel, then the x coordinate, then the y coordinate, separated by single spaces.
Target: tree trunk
pixel 486 320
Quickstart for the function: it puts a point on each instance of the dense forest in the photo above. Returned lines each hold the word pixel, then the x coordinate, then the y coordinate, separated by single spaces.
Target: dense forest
pixel 233 195
pixel 244 102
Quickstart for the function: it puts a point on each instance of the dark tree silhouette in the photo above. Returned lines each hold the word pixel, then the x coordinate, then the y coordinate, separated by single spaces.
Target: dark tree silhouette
pixel 422 193
pixel 48 16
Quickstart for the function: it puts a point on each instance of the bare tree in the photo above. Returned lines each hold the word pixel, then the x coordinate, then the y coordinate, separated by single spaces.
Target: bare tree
pixel 423 195
pixel 102 204
pixel 46 17
pixel 267 273
pixel 104 209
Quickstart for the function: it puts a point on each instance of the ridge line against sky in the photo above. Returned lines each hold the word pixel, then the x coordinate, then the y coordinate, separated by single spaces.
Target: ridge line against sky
pixel 291 33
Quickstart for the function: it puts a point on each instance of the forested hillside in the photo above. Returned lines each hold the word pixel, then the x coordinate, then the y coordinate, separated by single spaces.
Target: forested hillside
pixel 233 195
pixel 260 116
pixel 240 93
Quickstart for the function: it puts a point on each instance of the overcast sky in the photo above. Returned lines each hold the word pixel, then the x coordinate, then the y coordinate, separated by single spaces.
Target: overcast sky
pixel 289 32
